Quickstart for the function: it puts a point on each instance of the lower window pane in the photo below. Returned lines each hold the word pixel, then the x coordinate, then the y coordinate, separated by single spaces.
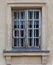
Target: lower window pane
pixel 22 42
pixel 37 33
pixel 16 33
pixel 36 24
pixel 30 33
pixel 30 41
pixel 22 33
pixel 16 42
pixel 37 42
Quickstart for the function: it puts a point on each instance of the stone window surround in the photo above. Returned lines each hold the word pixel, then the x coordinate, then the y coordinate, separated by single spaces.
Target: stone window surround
pixel 44 30
pixel 44 22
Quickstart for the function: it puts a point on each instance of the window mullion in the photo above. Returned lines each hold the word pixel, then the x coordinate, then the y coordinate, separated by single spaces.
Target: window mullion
pixel 26 15
pixel 19 30
pixel 33 29
pixel 39 27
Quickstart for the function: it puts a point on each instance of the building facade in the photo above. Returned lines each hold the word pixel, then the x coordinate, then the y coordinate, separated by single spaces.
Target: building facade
pixel 26 32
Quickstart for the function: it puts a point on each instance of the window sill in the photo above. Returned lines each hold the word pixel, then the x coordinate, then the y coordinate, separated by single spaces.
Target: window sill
pixel 26 52
pixel 35 53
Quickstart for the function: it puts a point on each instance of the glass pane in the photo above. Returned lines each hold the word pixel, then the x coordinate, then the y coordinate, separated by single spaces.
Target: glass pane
pixel 22 33
pixel 30 33
pixel 30 14
pixel 22 24
pixel 37 33
pixel 16 33
pixel 34 33
pixel 22 15
pixel 30 41
pixel 30 23
pixel 36 14
pixel 16 24
pixel 36 24
pixel 16 42
pixel 22 41
pixel 34 41
pixel 37 42
pixel 16 15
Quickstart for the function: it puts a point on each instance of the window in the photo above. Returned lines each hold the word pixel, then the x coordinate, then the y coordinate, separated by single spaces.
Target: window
pixel 27 28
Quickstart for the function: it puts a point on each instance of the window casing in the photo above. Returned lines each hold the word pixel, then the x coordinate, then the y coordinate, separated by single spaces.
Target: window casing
pixel 27 28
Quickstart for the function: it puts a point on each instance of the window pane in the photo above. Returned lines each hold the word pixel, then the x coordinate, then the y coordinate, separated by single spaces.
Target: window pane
pixel 30 41
pixel 37 33
pixel 16 42
pixel 30 33
pixel 30 14
pixel 22 41
pixel 16 33
pixel 37 42
pixel 30 23
pixel 22 15
pixel 22 24
pixel 36 24
pixel 34 33
pixel 22 33
pixel 36 14
pixel 34 41
pixel 16 24
pixel 16 15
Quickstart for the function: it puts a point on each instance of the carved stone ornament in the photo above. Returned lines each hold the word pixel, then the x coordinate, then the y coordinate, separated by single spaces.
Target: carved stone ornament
pixel 8 60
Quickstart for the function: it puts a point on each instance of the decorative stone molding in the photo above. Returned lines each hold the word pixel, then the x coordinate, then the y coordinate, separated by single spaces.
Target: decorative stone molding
pixel 43 54
pixel 8 60
pixel 44 60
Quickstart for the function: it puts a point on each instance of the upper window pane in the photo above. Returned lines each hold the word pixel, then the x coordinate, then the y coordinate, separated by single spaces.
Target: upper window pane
pixel 22 15
pixel 16 15
pixel 30 14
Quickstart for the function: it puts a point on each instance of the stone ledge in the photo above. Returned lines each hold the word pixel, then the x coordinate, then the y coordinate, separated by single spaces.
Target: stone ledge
pixel 35 53
pixel 26 53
